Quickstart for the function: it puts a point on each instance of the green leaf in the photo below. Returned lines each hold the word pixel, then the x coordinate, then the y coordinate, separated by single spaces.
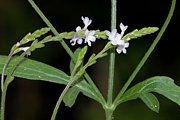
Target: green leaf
pixel 76 53
pixel 79 61
pixel 159 84
pixel 139 33
pixel 70 97
pixel 151 101
pixel 82 53
pixel 34 70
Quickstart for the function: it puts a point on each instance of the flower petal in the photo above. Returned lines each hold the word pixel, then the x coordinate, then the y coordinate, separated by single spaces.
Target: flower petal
pixel 126 45
pixel 79 41
pixel 78 28
pixel 124 51
pixel 118 50
pixel 123 27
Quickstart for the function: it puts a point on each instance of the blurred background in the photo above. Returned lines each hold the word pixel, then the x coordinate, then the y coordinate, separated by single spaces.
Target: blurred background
pixel 35 100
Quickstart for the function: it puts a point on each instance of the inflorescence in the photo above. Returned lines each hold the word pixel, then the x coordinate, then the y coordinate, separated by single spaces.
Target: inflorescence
pixel 89 36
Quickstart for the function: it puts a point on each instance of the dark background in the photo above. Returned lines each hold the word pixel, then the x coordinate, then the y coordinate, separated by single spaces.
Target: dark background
pixel 35 100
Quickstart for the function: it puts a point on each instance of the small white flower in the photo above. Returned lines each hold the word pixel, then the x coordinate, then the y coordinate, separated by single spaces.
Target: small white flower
pixel 24 48
pixel 122 47
pixel 123 28
pixel 116 39
pixel 75 38
pixel 111 34
pixel 89 37
pixel 86 21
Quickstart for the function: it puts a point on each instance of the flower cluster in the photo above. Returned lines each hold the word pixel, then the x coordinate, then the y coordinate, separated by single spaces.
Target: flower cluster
pixel 116 39
pixel 89 35
pixel 113 36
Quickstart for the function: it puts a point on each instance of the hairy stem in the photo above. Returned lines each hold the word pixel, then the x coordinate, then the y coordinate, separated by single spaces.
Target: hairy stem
pixel 108 112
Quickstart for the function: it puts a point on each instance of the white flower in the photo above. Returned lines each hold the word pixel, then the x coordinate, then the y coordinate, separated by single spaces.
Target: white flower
pixel 89 37
pixel 122 47
pixel 24 48
pixel 116 39
pixel 123 28
pixel 75 38
pixel 86 21
pixel 111 34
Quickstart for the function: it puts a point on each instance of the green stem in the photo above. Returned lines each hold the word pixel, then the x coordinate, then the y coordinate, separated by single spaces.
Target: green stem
pixel 4 69
pixel 146 56
pixel 43 17
pixel 112 55
pixel 3 96
pixel 53 117
pixel 68 50
pixel 109 112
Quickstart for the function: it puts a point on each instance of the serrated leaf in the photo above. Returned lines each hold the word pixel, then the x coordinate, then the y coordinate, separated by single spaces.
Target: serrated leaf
pixel 34 70
pixel 139 33
pixel 159 84
pixel 70 97
pixel 151 101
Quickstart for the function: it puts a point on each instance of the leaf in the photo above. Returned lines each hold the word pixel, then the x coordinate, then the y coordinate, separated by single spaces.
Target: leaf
pixel 76 53
pixel 80 58
pixel 159 84
pixel 34 70
pixel 70 97
pixel 82 53
pixel 151 101
pixel 139 33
